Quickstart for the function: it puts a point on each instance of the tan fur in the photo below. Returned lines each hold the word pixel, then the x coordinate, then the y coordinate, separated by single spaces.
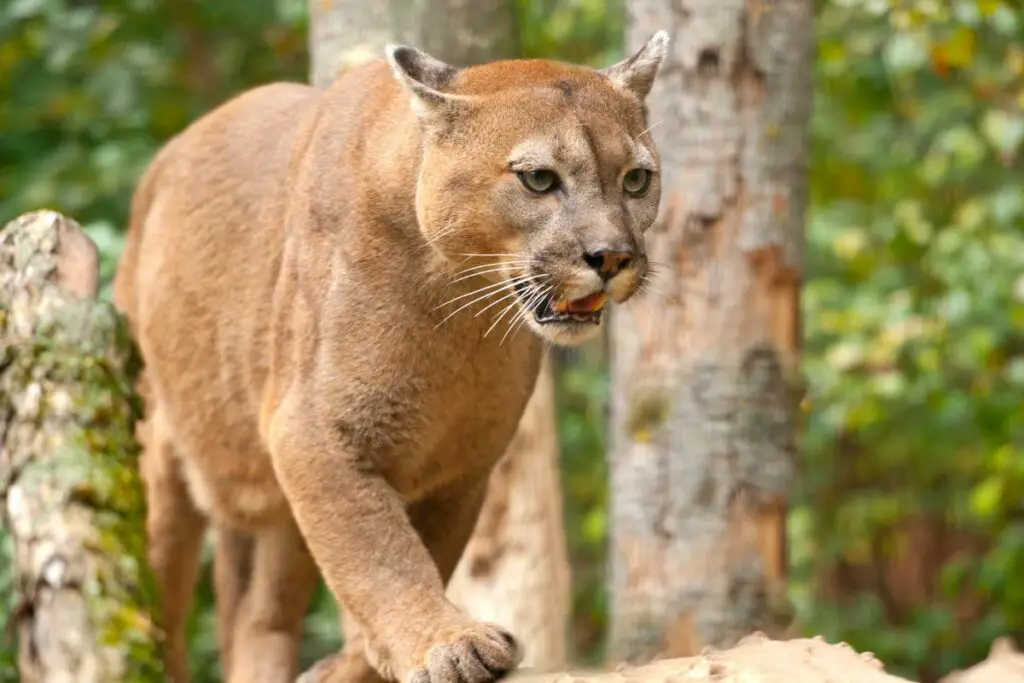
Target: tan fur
pixel 294 271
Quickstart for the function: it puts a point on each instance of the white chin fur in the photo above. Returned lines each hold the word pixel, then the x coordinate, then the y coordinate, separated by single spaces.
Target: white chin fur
pixel 566 334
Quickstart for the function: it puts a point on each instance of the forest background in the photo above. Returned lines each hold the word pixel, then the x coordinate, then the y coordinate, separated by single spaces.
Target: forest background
pixel 906 532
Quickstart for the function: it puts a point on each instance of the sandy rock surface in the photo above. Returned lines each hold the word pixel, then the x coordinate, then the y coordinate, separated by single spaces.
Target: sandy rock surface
pixel 758 659
pixel 1004 664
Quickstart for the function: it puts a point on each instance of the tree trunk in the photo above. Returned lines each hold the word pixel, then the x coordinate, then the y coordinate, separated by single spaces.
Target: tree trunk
pixel 344 33
pixel 72 498
pixel 516 569
pixel 705 368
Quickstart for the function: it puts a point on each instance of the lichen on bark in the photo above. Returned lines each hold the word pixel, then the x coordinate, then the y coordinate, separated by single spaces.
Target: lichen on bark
pixel 72 497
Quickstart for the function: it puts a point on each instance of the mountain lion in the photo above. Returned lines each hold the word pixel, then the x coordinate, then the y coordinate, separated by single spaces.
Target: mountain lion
pixel 342 297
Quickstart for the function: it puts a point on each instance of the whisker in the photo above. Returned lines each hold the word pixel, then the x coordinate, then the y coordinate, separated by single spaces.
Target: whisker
pixel 443 232
pixel 541 293
pixel 520 315
pixel 513 293
pixel 486 255
pixel 496 269
pixel 536 295
pixel 503 283
pixel 649 128
pixel 651 286
pixel 525 311
pixel 528 304
pixel 533 302
pixel 518 319
pixel 492 269
pixel 497 320
pixel 508 284
pixel 514 326
pixel 498 263
pixel 466 305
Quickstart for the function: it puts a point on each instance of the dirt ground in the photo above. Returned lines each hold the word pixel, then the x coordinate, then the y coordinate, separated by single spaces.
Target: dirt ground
pixel 758 659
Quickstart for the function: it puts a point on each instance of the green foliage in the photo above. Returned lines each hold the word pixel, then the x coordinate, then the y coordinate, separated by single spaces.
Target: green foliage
pixel 8 607
pixel 582 31
pixel 581 398
pixel 89 90
pixel 914 322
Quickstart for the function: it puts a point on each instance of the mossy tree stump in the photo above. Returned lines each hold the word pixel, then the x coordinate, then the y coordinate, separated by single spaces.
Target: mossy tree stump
pixel 69 484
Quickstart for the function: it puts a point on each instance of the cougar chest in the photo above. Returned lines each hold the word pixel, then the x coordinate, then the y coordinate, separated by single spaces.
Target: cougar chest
pixel 460 422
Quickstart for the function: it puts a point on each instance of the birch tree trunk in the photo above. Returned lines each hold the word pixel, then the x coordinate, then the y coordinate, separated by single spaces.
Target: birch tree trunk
pixel 705 369
pixel 72 498
pixel 515 571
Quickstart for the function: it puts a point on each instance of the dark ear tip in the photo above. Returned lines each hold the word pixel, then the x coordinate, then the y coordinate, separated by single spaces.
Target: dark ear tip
pixel 397 53
pixel 418 70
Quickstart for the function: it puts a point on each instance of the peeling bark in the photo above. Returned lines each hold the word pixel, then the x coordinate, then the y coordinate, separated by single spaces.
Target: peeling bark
pixel 515 571
pixel 706 366
pixel 72 498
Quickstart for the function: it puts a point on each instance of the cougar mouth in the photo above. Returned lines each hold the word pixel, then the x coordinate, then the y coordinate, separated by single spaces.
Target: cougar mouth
pixel 547 309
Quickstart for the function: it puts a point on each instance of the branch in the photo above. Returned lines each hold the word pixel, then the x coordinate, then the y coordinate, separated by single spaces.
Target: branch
pixel 72 497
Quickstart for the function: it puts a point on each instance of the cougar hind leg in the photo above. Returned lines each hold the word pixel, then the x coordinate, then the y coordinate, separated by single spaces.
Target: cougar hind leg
pixel 232 572
pixel 270 608
pixel 174 529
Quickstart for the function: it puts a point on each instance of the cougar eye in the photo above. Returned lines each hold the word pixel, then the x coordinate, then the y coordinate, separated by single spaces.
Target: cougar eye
pixel 637 181
pixel 539 181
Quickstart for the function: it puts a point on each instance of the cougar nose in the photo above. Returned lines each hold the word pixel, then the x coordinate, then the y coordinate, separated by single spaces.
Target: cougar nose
pixel 608 263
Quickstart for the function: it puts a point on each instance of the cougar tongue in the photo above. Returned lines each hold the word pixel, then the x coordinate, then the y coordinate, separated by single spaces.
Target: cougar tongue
pixel 588 304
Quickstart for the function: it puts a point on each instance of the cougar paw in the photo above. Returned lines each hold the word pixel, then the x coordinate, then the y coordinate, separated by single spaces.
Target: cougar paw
pixel 480 654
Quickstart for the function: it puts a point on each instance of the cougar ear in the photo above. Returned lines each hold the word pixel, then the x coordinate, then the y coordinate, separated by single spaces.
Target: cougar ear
pixel 426 79
pixel 636 73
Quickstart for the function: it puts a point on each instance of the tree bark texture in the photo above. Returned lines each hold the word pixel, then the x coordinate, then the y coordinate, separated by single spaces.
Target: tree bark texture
pixel 72 498
pixel 344 33
pixel 516 567
pixel 705 368
pixel 515 571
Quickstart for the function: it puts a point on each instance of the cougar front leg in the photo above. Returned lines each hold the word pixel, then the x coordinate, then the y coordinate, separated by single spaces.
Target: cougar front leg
pixel 444 523
pixel 377 565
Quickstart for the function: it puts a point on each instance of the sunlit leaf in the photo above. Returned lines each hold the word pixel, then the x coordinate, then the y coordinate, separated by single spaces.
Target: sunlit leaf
pixel 1004 130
